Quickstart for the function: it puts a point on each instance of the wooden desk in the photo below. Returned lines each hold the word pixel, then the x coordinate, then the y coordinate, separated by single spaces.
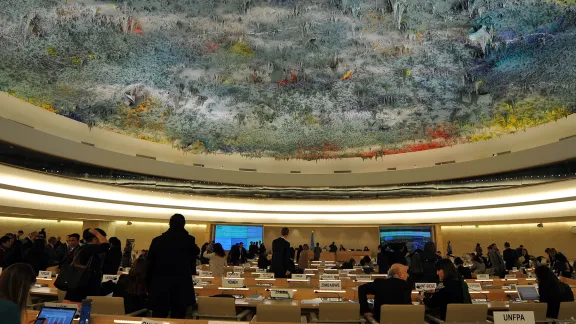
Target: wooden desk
pixel 44 291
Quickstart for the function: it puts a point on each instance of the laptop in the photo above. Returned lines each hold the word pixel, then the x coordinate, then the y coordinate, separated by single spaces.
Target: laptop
pixel 56 315
pixel 528 293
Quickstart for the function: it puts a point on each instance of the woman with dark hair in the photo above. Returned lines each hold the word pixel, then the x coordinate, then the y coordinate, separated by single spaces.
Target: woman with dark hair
pixel 92 254
pixel 451 290
pixel 562 267
pixel 428 259
pixel 217 257
pixel 552 291
pixel 551 256
pixel 132 287
pixel 342 248
pixel 524 259
pixel 36 256
pixel 15 283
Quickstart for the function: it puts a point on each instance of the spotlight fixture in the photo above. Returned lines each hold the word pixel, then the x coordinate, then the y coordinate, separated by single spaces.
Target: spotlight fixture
pixel 540 225
pixel 128 223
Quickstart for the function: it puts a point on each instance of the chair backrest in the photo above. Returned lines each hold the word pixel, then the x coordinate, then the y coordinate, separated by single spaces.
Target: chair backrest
pixel 466 313
pixel 103 305
pixel 339 312
pixel 539 309
pixel 567 311
pixel 402 314
pixel 216 306
pixel 278 313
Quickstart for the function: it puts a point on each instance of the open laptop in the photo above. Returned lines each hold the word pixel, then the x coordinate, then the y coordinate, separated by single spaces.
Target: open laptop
pixel 528 293
pixel 56 315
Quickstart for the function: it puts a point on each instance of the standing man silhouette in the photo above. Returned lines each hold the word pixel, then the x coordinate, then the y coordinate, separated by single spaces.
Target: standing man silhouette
pixel 281 255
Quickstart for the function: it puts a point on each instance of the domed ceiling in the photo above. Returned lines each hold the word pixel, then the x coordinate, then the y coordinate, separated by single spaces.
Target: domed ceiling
pixel 295 78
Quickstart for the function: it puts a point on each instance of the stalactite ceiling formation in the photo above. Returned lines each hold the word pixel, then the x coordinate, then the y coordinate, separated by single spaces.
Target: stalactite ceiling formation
pixel 306 79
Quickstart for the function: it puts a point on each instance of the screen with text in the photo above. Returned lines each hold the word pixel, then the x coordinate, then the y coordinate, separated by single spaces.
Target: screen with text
pixel 228 235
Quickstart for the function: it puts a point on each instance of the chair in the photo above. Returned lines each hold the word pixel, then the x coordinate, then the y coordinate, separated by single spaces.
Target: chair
pixel 218 307
pixel 278 313
pixel 103 305
pixel 400 314
pixel 463 313
pixel 539 309
pixel 567 311
pixel 337 313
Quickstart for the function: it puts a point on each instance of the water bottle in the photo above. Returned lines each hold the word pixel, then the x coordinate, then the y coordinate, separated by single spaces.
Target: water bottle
pixel 85 310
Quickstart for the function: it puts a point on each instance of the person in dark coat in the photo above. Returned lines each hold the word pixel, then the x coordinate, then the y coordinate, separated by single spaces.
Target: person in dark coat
pixel 92 252
pixel 171 264
pixel 113 257
pixel 382 260
pixel 510 256
pixel 552 291
pixel 67 251
pixel 428 259
pixel 281 263
pixel 465 272
pixel 394 290
pixel 36 256
pixel 238 255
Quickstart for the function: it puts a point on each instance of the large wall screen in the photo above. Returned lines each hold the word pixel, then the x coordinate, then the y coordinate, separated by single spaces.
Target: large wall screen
pixel 228 235
pixel 414 236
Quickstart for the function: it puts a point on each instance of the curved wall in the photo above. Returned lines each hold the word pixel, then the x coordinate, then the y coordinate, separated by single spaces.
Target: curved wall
pixel 32 127
pixel 30 192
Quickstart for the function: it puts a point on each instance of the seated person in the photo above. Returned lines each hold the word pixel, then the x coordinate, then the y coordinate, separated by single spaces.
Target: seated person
pixel 451 290
pixel 552 291
pixel 562 267
pixel 263 262
pixel 348 264
pixel 132 287
pixel 478 265
pixel 394 290
pixel 366 248
pixel 462 270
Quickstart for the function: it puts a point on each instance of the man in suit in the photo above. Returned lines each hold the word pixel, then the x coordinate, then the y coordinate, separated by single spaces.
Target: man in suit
pixel 171 264
pixel 28 242
pixel 281 255
pixel 394 290
pixel 65 252
pixel 238 254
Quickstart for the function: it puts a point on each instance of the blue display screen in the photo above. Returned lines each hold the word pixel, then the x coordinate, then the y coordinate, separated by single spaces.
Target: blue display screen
pixel 414 236
pixel 57 315
pixel 228 235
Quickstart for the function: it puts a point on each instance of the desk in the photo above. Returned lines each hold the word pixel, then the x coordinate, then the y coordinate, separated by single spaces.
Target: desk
pixel 44 291
pixel 341 255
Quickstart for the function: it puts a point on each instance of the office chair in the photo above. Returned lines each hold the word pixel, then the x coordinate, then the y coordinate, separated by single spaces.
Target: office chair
pixel 567 311
pixel 221 308
pixel 278 313
pixel 103 305
pixel 337 313
pixel 539 309
pixel 463 313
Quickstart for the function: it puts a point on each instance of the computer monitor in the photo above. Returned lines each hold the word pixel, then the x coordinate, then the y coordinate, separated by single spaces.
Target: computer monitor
pixel 56 315
pixel 527 292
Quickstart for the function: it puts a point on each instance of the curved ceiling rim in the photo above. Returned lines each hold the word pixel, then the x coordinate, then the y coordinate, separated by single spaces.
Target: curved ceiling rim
pixel 33 182
pixel 33 201
pixel 22 112
pixel 22 135
pixel 176 207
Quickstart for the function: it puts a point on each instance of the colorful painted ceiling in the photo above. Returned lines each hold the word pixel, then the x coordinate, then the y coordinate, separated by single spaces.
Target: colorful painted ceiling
pixel 295 78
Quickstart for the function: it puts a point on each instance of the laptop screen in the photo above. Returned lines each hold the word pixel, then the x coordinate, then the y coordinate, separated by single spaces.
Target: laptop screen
pixel 55 315
pixel 528 293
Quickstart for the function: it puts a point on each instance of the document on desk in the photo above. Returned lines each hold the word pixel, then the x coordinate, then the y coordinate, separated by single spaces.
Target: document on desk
pixel 311 301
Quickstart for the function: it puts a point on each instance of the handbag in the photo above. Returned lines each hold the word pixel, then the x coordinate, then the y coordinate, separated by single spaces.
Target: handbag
pixel 75 276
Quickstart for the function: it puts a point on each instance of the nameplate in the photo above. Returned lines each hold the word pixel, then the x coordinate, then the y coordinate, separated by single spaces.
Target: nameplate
pixel 281 293
pixel 113 278
pixel 233 274
pixel 328 277
pixel 330 285
pixel 238 269
pixel 425 286
pixel 346 271
pixel 196 281
pixel 357 267
pixel 510 276
pixel 483 276
pixel 514 317
pixel 364 277
pixel 474 287
pixel 299 276
pixel 232 282
pixel 514 269
pixel 149 321
pixel 260 270
pixel 45 274
pixel 266 275
pixel 205 274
